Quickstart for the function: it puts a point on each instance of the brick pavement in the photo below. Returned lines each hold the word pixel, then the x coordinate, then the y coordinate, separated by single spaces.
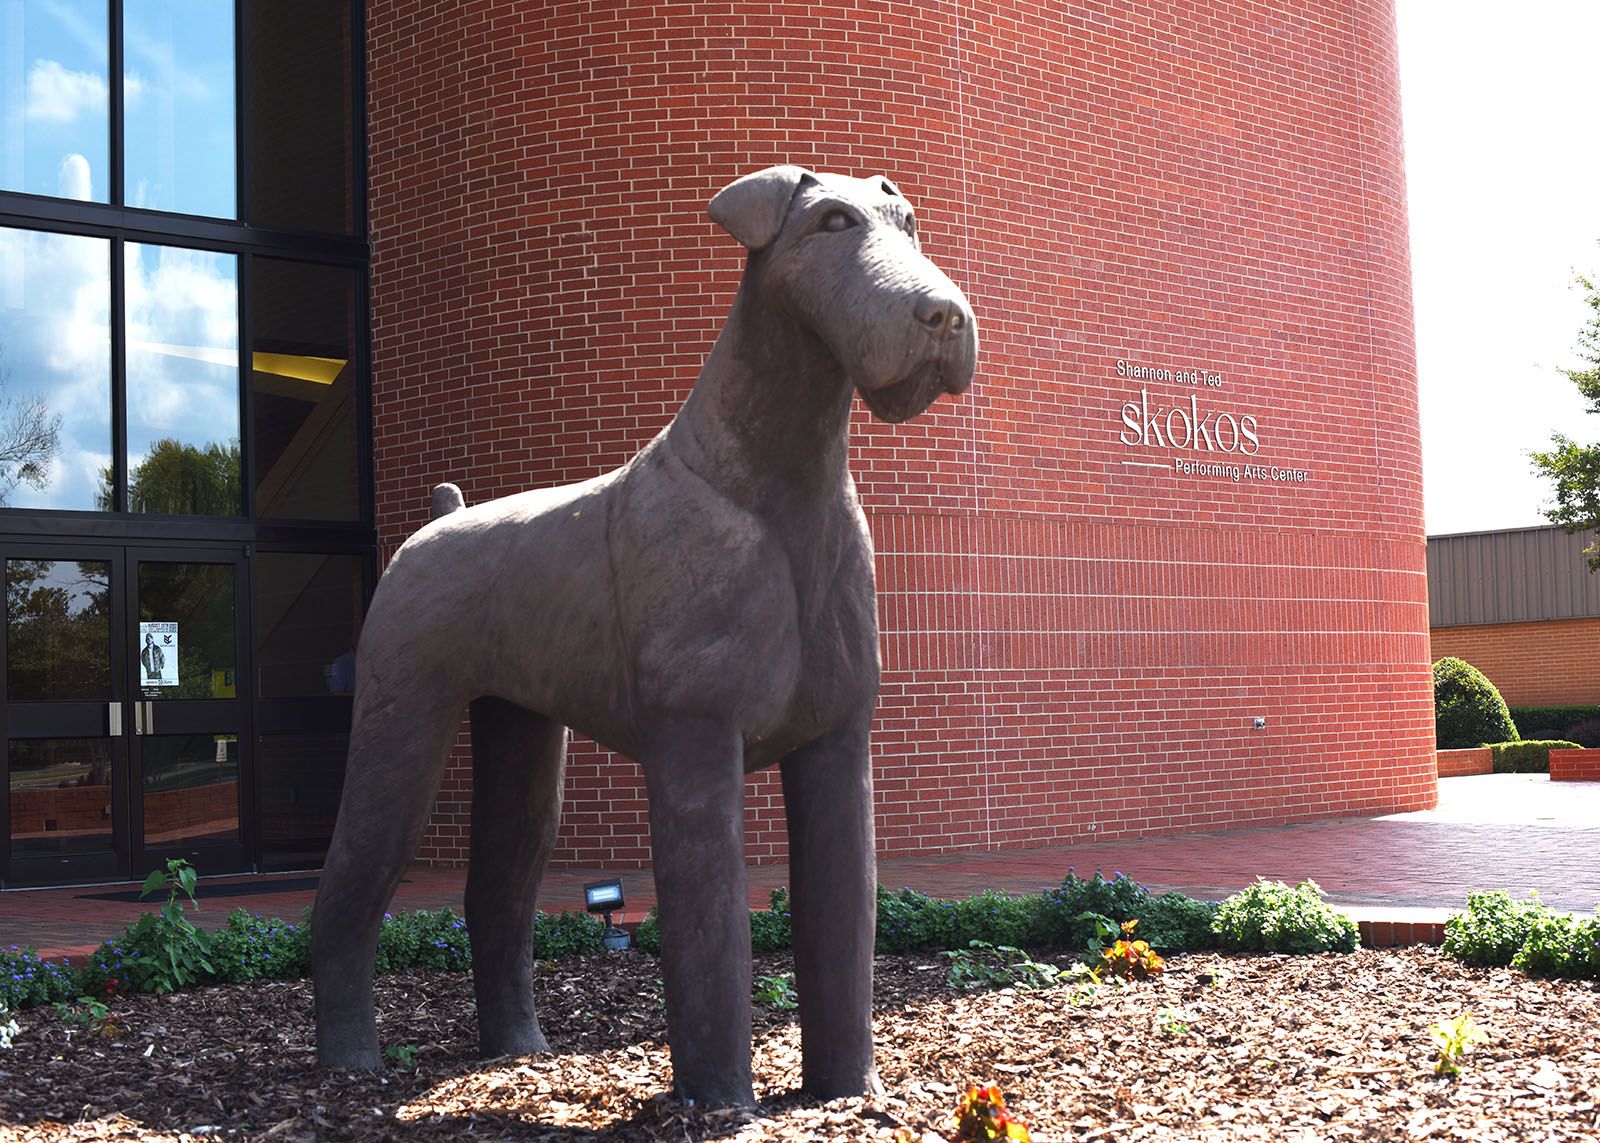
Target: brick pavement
pixel 1398 875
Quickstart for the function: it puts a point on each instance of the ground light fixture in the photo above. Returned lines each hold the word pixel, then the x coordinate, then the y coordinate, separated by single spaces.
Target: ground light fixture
pixel 604 897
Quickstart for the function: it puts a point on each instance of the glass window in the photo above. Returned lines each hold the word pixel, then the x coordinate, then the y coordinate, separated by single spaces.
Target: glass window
pixel 191 789
pixel 308 615
pixel 58 630
pixel 302 385
pixel 189 607
pixel 60 796
pixel 302 776
pixel 178 106
pixel 55 103
pixel 182 312
pixel 302 141
pixel 55 370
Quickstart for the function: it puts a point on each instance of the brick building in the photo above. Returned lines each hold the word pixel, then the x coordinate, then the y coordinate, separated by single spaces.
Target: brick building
pixel 1523 607
pixel 1161 568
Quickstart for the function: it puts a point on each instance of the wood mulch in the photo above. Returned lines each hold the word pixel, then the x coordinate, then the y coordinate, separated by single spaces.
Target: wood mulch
pixel 1250 1047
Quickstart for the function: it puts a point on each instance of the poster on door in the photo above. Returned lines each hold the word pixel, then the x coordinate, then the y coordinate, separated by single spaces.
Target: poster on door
pixel 158 654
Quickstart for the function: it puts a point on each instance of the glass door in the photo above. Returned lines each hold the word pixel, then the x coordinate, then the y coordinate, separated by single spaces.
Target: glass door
pixel 187 737
pixel 126 734
pixel 66 810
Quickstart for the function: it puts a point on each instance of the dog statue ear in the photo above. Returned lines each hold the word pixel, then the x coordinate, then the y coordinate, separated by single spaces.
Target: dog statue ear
pixel 752 208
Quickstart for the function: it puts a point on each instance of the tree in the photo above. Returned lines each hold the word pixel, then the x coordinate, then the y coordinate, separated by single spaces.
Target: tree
pixel 58 629
pixel 182 480
pixel 30 437
pixel 1467 708
pixel 1575 467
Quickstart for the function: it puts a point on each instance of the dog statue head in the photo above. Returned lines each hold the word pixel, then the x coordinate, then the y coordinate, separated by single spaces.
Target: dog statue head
pixel 842 256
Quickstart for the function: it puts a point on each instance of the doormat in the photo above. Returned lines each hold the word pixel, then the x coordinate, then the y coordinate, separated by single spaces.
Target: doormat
pixel 212 892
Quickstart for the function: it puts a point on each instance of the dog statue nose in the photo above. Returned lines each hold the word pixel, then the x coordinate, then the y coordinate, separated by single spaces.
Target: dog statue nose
pixel 940 315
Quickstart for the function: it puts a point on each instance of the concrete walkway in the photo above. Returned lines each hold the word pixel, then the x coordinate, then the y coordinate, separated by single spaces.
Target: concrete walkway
pixel 1398 876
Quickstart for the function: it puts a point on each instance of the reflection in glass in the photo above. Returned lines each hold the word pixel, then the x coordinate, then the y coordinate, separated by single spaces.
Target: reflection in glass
pixel 198 600
pixel 55 369
pixel 183 381
pixel 55 103
pixel 302 137
pixel 191 789
pixel 58 630
pixel 178 106
pixel 302 389
pixel 60 795
pixel 308 615
pixel 302 776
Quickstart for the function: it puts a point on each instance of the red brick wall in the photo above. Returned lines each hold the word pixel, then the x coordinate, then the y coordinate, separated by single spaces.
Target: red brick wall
pixel 1467 763
pixel 1073 645
pixel 1555 663
pixel 1575 765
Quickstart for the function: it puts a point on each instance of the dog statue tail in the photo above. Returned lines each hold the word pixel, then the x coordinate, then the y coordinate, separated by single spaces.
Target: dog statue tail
pixel 447 498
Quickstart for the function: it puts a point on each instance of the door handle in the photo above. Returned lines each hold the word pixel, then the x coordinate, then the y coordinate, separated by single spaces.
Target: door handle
pixel 114 719
pixel 138 718
pixel 149 718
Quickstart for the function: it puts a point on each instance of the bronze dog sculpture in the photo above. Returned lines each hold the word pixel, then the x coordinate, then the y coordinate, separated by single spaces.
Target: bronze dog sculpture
pixel 706 609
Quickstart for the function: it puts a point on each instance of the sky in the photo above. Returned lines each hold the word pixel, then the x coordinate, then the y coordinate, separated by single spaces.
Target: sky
pixel 1503 182
pixel 1503 179
pixel 181 305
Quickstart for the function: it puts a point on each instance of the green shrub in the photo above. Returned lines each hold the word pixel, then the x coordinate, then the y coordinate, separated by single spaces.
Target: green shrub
pixel 1561 945
pixel 251 947
pixel 909 920
pixel 1468 710
pixel 424 939
pixel 160 952
pixel 1580 724
pixel 647 936
pixel 1530 756
pixel 154 954
pixel 1066 913
pixel 772 931
pixel 996 918
pixel 1271 917
pixel 27 980
pixel 1174 923
pixel 1492 928
pixel 557 935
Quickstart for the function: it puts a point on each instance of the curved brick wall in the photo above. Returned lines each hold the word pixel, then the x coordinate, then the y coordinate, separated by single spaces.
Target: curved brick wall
pixel 1077 632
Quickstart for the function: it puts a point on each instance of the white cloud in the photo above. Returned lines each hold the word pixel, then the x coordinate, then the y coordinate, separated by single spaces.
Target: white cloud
pixel 72 179
pixel 57 95
pixel 55 334
pixel 189 299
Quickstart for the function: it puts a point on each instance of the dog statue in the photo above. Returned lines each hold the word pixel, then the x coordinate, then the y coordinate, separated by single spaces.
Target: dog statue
pixel 706 609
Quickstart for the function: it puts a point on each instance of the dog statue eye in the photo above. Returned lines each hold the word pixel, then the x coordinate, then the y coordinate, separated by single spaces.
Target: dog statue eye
pixel 837 220
pixel 910 226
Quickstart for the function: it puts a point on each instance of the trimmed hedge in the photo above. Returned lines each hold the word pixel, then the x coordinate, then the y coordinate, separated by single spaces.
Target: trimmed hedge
pixel 1580 724
pixel 1526 757
pixel 1468 711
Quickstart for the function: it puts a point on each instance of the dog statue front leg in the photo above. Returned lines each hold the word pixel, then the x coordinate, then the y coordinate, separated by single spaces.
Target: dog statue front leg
pixel 694 773
pixel 827 795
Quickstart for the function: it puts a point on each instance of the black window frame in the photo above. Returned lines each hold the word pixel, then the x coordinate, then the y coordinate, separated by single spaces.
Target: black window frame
pixel 121 224
pixel 239 236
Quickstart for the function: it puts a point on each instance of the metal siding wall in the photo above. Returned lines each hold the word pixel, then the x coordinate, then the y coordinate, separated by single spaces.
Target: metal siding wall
pixel 1522 575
